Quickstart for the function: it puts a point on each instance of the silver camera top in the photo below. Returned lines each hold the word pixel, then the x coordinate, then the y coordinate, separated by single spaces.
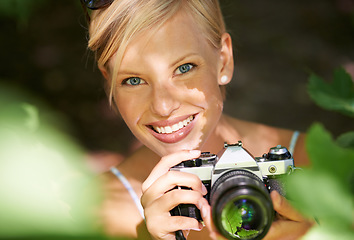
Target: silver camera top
pixel 277 161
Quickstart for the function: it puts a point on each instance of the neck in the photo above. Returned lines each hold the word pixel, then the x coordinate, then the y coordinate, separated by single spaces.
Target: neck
pixel 223 132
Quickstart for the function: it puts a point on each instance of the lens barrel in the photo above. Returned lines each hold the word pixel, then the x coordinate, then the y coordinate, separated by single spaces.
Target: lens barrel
pixel 241 205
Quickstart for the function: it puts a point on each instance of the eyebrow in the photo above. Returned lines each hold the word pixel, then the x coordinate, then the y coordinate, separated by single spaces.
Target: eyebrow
pixel 182 58
pixel 128 72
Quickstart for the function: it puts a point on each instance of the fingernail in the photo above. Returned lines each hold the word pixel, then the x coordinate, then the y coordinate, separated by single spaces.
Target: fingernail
pixel 276 198
pixel 204 212
pixel 275 195
pixel 204 190
pixel 196 229
pixel 200 227
pixel 194 152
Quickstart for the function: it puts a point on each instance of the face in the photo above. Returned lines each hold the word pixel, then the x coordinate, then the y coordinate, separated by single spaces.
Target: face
pixel 167 87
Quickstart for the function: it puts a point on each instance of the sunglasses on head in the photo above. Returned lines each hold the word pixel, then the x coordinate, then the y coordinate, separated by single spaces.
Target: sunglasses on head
pixel 94 5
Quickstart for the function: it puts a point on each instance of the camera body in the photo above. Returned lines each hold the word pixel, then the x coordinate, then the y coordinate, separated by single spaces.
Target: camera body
pixel 238 188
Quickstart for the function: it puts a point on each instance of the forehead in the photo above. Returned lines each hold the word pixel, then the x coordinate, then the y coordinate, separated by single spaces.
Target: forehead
pixel 178 36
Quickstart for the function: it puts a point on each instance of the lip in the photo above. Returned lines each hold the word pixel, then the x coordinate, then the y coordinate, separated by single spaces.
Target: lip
pixel 175 136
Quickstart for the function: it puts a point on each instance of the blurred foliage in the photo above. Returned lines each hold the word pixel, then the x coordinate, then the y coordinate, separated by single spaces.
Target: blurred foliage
pixel 46 189
pixel 326 190
pixel 346 140
pixel 20 10
pixel 337 95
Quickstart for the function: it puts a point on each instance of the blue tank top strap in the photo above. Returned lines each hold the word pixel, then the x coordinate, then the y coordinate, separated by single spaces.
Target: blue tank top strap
pixel 293 141
pixel 131 191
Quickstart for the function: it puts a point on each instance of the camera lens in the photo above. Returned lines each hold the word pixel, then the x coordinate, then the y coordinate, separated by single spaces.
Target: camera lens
pixel 241 206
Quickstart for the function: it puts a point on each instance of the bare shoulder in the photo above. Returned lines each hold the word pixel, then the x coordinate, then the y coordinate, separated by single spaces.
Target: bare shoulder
pixel 116 204
pixel 120 215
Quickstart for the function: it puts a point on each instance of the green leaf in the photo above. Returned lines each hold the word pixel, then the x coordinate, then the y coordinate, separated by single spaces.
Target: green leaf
pixel 320 195
pixel 46 189
pixel 327 156
pixel 232 221
pixel 346 140
pixel 325 190
pixel 321 233
pixel 231 218
pixel 247 233
pixel 343 84
pixel 337 95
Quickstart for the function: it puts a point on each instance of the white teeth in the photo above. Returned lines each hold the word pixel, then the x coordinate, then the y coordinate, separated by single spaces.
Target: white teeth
pixel 175 127
pixel 168 129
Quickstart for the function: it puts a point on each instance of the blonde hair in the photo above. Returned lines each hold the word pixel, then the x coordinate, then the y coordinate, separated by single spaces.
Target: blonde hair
pixel 113 28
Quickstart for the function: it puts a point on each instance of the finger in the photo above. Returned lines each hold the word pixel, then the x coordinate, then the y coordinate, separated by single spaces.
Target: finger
pixel 161 223
pixel 163 228
pixel 168 201
pixel 185 223
pixel 282 207
pixel 205 211
pixel 165 164
pixel 168 181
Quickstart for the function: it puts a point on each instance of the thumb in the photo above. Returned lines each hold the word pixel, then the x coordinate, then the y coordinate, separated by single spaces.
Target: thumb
pixel 283 207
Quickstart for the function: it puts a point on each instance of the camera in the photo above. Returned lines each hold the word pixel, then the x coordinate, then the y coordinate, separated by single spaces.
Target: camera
pixel 238 188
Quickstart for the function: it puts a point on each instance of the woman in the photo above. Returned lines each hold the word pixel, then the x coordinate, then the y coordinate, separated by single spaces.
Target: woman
pixel 166 64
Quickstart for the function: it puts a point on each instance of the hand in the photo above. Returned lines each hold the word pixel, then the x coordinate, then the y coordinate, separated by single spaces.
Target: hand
pixel 158 197
pixel 290 224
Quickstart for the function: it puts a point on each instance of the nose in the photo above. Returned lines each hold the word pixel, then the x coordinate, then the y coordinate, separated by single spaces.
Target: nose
pixel 165 100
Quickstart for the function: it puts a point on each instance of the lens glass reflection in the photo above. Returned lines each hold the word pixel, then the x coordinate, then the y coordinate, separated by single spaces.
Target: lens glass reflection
pixel 242 218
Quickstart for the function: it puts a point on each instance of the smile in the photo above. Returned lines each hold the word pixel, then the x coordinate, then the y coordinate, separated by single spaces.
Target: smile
pixel 172 131
pixel 174 127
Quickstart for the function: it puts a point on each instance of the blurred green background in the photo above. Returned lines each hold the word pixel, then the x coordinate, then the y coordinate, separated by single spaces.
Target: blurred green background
pixel 277 44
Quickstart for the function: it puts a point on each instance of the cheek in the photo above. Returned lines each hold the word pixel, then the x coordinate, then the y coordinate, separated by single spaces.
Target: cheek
pixel 213 101
pixel 129 108
pixel 207 92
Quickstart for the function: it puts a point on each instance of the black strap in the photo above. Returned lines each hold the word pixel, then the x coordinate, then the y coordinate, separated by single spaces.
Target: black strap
pixel 179 235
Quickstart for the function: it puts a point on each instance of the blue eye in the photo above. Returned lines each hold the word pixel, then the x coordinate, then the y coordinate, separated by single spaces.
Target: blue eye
pixel 134 81
pixel 184 68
